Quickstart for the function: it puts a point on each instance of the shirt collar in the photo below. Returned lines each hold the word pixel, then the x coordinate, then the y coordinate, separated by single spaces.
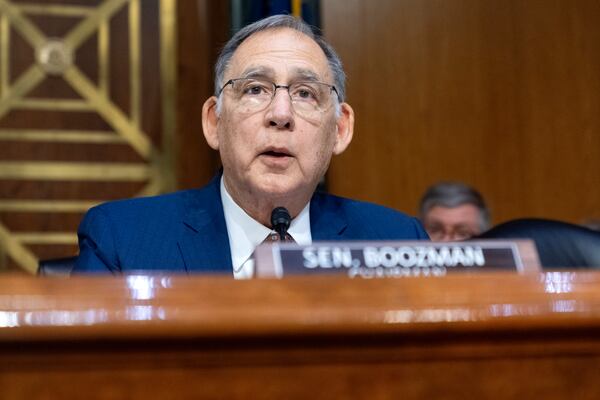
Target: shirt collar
pixel 245 233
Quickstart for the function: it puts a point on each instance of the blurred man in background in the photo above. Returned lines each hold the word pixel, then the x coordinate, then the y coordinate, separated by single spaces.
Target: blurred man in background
pixel 453 211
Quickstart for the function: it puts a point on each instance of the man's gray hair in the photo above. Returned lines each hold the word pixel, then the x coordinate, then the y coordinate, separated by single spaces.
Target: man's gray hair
pixel 454 194
pixel 274 22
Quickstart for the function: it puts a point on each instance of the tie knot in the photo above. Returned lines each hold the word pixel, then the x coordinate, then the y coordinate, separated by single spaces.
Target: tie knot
pixel 274 237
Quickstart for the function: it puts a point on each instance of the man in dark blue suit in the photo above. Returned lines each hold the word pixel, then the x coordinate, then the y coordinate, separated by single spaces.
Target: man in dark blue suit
pixel 277 117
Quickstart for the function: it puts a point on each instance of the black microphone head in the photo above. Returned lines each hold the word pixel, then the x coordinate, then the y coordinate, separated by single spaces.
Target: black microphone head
pixel 280 221
pixel 280 216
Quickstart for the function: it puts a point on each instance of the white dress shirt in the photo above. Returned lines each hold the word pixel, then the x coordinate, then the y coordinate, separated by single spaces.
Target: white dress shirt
pixel 245 233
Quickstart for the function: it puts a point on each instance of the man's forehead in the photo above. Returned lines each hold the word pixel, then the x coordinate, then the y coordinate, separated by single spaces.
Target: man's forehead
pixel 278 51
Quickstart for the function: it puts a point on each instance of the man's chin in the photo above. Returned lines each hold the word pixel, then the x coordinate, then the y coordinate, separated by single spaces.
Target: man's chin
pixel 275 191
pixel 278 186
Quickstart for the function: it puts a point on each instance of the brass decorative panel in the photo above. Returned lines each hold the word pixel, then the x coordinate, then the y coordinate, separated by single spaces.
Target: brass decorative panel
pixel 105 88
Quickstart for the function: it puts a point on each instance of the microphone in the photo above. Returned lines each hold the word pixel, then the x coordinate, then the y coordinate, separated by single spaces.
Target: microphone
pixel 280 220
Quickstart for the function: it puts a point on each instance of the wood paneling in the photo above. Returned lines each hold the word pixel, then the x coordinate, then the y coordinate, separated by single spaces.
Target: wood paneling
pixel 203 30
pixel 501 94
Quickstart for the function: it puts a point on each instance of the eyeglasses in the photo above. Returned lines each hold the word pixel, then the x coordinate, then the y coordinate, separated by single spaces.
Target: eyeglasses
pixel 310 99
pixel 449 233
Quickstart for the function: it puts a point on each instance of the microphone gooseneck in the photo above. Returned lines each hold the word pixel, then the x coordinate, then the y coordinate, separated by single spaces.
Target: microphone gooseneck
pixel 280 221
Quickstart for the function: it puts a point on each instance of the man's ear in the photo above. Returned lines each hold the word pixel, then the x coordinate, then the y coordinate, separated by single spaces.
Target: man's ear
pixel 345 128
pixel 210 118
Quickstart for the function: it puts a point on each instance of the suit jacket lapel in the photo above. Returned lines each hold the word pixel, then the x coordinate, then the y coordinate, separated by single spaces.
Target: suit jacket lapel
pixel 327 221
pixel 204 242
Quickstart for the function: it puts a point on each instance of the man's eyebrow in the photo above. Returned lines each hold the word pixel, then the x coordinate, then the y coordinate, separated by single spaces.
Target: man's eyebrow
pixel 462 226
pixel 302 74
pixel 258 72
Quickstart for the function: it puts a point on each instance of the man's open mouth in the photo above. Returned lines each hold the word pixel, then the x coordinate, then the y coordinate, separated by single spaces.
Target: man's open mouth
pixel 272 153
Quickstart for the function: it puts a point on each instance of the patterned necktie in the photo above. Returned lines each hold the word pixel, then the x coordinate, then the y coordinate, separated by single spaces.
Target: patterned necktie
pixel 272 238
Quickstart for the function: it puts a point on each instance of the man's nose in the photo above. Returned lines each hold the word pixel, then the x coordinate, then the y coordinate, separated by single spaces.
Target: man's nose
pixel 280 112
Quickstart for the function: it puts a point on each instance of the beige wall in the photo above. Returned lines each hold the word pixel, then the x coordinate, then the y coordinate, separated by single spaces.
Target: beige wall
pixel 502 94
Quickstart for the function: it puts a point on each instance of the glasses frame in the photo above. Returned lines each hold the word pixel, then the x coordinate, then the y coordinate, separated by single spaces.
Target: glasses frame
pixel 332 88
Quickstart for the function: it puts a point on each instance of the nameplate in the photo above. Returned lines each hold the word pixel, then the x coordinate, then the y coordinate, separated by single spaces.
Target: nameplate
pixel 395 259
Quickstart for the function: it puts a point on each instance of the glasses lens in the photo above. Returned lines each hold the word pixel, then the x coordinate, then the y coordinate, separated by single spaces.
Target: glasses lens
pixel 310 98
pixel 252 93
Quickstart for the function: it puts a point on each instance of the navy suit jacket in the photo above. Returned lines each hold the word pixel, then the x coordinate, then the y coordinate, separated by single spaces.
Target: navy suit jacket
pixel 185 231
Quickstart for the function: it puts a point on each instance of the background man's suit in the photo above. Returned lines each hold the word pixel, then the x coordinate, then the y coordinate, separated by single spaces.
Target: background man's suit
pixel 186 232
